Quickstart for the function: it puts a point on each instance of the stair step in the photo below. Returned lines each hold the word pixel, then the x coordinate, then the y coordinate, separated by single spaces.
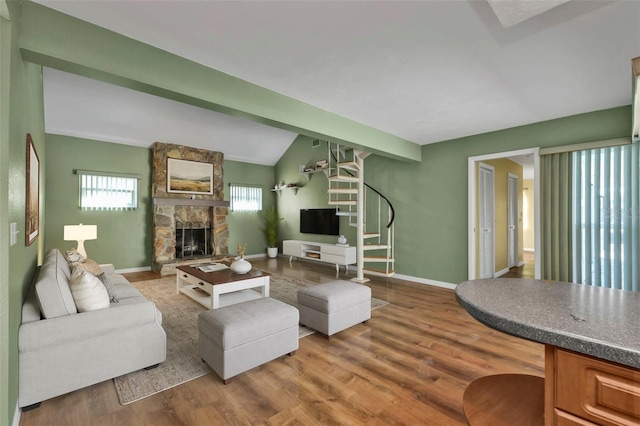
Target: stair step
pixel 374 246
pixel 349 165
pixel 378 259
pixel 342 190
pixel 352 214
pixel 375 271
pixel 343 202
pixel 343 178
pixel 371 235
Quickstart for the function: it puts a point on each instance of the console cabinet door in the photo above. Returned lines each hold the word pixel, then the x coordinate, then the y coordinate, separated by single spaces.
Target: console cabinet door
pixel 291 248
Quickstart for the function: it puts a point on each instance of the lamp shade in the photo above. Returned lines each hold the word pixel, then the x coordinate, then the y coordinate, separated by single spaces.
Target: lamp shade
pixel 80 232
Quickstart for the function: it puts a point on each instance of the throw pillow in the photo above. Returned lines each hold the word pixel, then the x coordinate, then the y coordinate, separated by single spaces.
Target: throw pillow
pixel 106 281
pixel 88 291
pixel 90 266
pixel 73 257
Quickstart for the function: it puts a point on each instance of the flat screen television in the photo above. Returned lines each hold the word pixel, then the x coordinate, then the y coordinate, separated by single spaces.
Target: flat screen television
pixel 319 221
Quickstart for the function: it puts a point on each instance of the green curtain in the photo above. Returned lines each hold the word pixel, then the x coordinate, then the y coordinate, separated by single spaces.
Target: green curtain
pixel 555 222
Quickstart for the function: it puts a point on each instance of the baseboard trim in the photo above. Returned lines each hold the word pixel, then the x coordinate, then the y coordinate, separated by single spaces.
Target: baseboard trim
pixel 529 249
pixel 521 263
pixel 16 416
pixel 255 256
pixel 129 270
pixel 501 272
pixel 425 281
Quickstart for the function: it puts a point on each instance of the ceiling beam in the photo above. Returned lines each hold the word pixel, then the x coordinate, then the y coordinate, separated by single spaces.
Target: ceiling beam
pixel 59 41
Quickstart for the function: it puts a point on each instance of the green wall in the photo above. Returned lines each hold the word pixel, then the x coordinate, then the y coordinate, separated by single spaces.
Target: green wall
pixel 125 237
pixel 312 195
pixel 430 197
pixel 21 112
pixel 246 227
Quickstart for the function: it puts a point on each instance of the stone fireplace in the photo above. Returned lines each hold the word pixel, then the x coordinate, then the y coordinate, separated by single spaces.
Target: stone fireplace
pixel 187 227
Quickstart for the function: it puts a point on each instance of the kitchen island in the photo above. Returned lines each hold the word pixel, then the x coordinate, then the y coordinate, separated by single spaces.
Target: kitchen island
pixel 592 353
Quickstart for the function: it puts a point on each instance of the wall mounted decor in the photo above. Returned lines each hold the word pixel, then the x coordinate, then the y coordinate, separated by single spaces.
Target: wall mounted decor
pixel 189 177
pixel 32 208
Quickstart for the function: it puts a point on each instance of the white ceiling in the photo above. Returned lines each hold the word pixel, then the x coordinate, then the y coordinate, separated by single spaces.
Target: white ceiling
pixel 426 71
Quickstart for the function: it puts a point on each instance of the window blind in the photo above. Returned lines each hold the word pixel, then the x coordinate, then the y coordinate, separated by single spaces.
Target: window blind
pixel 606 217
pixel 245 198
pixel 107 191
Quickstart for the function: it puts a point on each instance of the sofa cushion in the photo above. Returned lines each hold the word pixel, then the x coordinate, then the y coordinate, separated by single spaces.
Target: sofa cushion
pixel 89 266
pixel 52 286
pixel 88 291
pixel 111 290
pixel 72 256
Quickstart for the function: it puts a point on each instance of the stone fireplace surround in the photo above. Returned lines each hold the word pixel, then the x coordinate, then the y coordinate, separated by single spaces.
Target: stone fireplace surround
pixel 192 208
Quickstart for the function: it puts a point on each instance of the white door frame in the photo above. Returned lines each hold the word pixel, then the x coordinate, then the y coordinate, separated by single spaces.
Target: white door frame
pixel 491 254
pixel 471 190
pixel 516 221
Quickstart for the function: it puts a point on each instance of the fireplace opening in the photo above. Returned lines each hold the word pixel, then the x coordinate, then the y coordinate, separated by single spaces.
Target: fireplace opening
pixel 193 239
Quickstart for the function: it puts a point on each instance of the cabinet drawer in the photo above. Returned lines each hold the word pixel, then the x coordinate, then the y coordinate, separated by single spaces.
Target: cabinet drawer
pixel 566 419
pixel 329 249
pixel 291 248
pixel 332 258
pixel 597 390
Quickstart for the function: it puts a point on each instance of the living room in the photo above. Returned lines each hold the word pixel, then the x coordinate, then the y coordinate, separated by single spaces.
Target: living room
pixel 429 192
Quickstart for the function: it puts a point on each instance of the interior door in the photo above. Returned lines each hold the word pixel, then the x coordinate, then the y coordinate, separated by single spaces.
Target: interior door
pixel 512 220
pixel 486 221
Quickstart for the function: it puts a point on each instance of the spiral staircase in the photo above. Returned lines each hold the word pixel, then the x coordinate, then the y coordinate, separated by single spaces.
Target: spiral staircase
pixel 367 209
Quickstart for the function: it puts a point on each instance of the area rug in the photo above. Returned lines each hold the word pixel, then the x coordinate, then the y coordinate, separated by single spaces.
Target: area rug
pixel 180 322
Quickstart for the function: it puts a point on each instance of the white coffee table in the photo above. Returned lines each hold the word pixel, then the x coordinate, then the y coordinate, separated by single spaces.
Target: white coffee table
pixel 221 288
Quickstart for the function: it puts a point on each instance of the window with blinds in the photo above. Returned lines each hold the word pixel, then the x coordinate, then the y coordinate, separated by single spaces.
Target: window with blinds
pixel 108 191
pixel 606 217
pixel 245 198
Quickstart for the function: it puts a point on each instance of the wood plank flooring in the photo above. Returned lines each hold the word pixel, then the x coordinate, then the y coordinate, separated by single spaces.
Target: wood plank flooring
pixel 410 364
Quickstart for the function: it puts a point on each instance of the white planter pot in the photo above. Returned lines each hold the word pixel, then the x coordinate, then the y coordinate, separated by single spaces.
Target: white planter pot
pixel 272 252
pixel 240 266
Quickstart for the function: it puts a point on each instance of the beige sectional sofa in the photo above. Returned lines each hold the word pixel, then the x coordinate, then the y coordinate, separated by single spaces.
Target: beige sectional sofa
pixel 61 349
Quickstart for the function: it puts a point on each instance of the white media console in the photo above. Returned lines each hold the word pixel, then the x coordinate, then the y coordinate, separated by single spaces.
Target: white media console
pixel 320 252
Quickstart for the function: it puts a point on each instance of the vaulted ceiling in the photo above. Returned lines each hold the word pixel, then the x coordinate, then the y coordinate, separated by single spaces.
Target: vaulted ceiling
pixel 425 71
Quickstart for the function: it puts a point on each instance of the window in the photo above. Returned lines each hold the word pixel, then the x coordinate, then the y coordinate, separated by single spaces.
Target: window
pixel 107 191
pixel 245 198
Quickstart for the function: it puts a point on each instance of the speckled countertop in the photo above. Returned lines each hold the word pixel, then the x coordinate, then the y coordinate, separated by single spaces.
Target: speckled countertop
pixel 600 322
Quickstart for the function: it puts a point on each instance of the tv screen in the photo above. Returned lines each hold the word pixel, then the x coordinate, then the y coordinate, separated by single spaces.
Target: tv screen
pixel 319 221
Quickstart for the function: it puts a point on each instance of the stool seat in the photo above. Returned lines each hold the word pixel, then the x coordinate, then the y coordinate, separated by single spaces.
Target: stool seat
pixel 334 306
pixel 239 337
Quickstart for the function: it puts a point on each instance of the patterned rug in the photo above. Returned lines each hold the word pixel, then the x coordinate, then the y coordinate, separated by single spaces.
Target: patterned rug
pixel 179 320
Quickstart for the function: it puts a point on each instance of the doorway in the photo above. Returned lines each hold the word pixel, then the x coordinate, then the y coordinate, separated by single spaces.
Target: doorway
pixel 512 215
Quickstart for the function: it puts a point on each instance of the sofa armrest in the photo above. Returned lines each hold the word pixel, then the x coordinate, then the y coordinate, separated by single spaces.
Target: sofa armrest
pixel 73 328
pixel 108 268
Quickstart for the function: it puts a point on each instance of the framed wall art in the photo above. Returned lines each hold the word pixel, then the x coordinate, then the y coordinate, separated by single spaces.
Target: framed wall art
pixel 189 177
pixel 32 208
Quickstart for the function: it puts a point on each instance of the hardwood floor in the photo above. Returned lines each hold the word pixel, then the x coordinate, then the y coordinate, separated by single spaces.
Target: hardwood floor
pixel 525 271
pixel 410 364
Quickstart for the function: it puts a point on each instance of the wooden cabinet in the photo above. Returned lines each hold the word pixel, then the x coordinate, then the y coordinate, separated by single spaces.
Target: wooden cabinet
pixel 320 252
pixel 587 390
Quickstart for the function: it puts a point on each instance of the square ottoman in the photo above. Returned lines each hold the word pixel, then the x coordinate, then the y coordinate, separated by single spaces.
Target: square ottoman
pixel 334 306
pixel 239 337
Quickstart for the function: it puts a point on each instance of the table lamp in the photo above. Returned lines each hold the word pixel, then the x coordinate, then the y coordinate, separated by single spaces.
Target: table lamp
pixel 80 233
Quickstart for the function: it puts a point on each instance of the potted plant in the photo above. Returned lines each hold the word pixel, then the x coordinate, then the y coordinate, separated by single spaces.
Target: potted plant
pixel 270 230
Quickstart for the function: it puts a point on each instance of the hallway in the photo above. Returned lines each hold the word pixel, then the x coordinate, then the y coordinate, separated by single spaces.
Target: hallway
pixel 525 271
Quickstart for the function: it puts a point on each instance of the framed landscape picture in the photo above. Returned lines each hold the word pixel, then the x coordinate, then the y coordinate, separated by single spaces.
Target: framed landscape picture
pixel 32 208
pixel 189 177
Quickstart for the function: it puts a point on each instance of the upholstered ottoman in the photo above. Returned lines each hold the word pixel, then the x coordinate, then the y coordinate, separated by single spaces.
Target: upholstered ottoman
pixel 334 306
pixel 239 337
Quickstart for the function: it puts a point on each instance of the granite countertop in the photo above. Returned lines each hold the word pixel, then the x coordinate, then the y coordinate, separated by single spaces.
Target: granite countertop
pixel 601 322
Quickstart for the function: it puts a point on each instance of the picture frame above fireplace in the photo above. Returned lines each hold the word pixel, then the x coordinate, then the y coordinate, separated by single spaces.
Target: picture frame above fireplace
pixel 189 177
